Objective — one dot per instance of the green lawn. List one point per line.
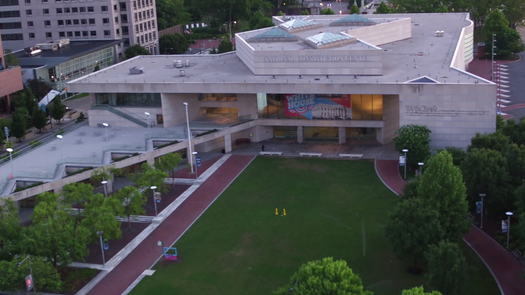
(334, 208)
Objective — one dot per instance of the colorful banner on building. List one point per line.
(315, 106)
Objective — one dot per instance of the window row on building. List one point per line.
(142, 3)
(146, 14)
(146, 38)
(145, 26)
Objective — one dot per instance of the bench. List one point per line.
(271, 153)
(310, 154)
(351, 156)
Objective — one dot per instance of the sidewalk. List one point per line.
(173, 227)
(506, 270)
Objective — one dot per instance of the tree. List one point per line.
(173, 44)
(168, 162)
(514, 11)
(324, 277)
(259, 20)
(458, 155)
(132, 201)
(519, 194)
(150, 176)
(77, 195)
(58, 109)
(10, 231)
(100, 215)
(419, 291)
(39, 88)
(446, 267)
(39, 119)
(443, 189)
(19, 124)
(171, 13)
(508, 41)
(413, 226)
(135, 50)
(410, 189)
(416, 139)
(515, 131)
(354, 9)
(53, 234)
(485, 172)
(494, 141)
(327, 11)
(383, 9)
(515, 156)
(225, 46)
(13, 273)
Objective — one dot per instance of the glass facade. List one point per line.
(320, 106)
(129, 99)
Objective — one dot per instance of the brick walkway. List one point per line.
(172, 228)
(506, 269)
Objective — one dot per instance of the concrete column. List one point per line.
(228, 143)
(379, 135)
(151, 161)
(342, 135)
(300, 134)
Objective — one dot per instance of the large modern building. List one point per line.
(10, 81)
(24, 23)
(330, 77)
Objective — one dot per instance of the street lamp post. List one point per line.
(189, 135)
(10, 151)
(194, 158)
(100, 233)
(420, 169)
(30, 272)
(153, 188)
(509, 214)
(405, 151)
(482, 209)
(160, 244)
(148, 115)
(104, 184)
(60, 138)
(106, 126)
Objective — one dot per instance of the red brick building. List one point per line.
(10, 81)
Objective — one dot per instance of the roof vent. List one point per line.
(182, 73)
(439, 33)
(187, 63)
(178, 64)
(136, 71)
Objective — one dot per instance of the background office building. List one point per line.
(323, 77)
(24, 23)
(10, 81)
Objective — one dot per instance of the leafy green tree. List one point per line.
(326, 11)
(225, 46)
(39, 88)
(135, 50)
(383, 9)
(39, 119)
(416, 139)
(132, 201)
(53, 234)
(446, 267)
(412, 227)
(514, 11)
(99, 175)
(150, 176)
(10, 231)
(458, 155)
(173, 44)
(515, 131)
(324, 277)
(419, 291)
(410, 189)
(171, 13)
(13, 273)
(485, 172)
(259, 20)
(494, 141)
(19, 125)
(77, 195)
(508, 41)
(354, 9)
(515, 156)
(57, 109)
(443, 189)
(100, 215)
(519, 194)
(168, 162)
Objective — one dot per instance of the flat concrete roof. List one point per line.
(423, 54)
(52, 58)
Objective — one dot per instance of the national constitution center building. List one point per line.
(329, 77)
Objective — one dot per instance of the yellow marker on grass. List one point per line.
(276, 212)
(284, 211)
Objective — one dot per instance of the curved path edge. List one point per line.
(506, 270)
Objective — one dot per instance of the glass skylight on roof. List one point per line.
(328, 39)
(274, 34)
(353, 20)
(298, 25)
